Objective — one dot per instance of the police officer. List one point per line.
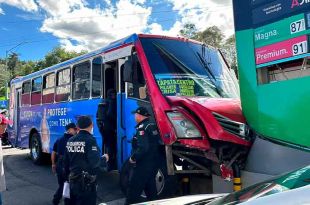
(108, 111)
(82, 164)
(144, 158)
(57, 157)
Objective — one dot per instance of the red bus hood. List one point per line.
(203, 108)
(230, 108)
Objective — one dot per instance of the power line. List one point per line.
(24, 39)
(30, 41)
(128, 14)
(86, 34)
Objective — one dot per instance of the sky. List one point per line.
(32, 28)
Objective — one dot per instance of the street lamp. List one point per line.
(6, 64)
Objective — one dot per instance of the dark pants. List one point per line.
(85, 197)
(58, 193)
(142, 179)
(110, 142)
(101, 130)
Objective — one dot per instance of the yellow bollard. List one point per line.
(237, 184)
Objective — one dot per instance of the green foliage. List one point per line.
(189, 31)
(4, 79)
(213, 36)
(230, 52)
(16, 67)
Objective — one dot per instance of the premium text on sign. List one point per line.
(281, 50)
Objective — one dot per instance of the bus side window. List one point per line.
(138, 87)
(96, 76)
(48, 88)
(63, 85)
(36, 91)
(25, 101)
(81, 81)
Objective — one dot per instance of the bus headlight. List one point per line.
(184, 127)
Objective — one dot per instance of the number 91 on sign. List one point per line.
(300, 48)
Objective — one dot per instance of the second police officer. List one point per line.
(82, 164)
(57, 158)
(145, 158)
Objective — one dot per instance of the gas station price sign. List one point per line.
(284, 49)
(281, 30)
(272, 41)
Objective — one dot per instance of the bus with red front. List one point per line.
(186, 86)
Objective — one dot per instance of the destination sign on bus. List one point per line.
(282, 30)
(183, 87)
(285, 49)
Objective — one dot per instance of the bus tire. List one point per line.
(36, 153)
(166, 185)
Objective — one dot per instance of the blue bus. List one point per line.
(187, 87)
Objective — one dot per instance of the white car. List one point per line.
(289, 189)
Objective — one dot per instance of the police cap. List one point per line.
(70, 125)
(142, 111)
(84, 122)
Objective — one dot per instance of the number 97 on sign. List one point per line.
(300, 48)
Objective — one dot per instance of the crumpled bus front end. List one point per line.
(196, 96)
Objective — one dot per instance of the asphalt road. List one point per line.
(29, 184)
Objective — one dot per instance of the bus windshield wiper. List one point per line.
(208, 69)
(205, 65)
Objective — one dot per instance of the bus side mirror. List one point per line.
(128, 72)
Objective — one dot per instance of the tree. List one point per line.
(189, 31)
(12, 63)
(212, 36)
(4, 79)
(58, 55)
(230, 53)
(16, 67)
(25, 68)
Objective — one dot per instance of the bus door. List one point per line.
(110, 83)
(16, 127)
(131, 96)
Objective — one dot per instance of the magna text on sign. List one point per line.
(282, 30)
(281, 50)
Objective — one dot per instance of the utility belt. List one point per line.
(82, 182)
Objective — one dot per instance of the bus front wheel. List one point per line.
(166, 185)
(36, 149)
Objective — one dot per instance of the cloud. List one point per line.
(68, 45)
(156, 28)
(26, 5)
(78, 25)
(1, 12)
(93, 27)
(203, 13)
(61, 7)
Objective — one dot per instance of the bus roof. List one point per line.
(127, 40)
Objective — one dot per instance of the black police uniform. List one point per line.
(60, 148)
(106, 122)
(83, 162)
(146, 153)
(109, 133)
